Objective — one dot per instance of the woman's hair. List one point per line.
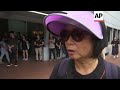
(24, 36)
(99, 44)
(11, 32)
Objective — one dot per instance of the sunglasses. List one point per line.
(76, 34)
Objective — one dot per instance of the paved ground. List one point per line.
(35, 69)
(27, 70)
(113, 60)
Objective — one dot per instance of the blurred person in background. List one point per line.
(115, 47)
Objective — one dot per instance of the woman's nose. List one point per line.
(70, 40)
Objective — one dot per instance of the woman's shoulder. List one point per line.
(112, 70)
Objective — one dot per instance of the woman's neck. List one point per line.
(86, 66)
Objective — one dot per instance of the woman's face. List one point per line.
(38, 37)
(115, 38)
(12, 35)
(79, 49)
(23, 37)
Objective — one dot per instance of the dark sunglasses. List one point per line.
(76, 34)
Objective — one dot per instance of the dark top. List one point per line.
(115, 43)
(98, 73)
(24, 45)
(38, 42)
(13, 41)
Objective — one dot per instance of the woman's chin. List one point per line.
(74, 57)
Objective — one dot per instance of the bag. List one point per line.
(111, 69)
(28, 46)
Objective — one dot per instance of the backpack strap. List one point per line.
(111, 70)
(63, 68)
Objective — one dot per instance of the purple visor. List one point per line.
(56, 22)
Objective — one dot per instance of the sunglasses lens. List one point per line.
(78, 35)
(64, 35)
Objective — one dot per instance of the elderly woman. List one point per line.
(84, 40)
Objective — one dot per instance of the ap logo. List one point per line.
(98, 16)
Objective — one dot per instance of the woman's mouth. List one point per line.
(71, 52)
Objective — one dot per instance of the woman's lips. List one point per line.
(70, 51)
